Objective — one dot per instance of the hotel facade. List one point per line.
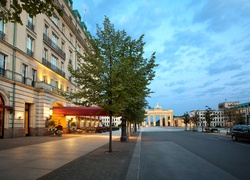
(33, 70)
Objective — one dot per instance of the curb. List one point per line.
(134, 167)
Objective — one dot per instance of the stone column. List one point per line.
(172, 120)
(160, 120)
(166, 121)
(154, 123)
(149, 122)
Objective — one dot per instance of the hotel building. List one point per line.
(33, 70)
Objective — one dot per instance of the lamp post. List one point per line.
(124, 133)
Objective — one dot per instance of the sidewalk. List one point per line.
(67, 157)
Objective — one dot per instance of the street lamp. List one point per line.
(124, 134)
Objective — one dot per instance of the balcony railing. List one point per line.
(53, 67)
(48, 41)
(29, 52)
(79, 37)
(31, 26)
(23, 80)
(2, 35)
(2, 72)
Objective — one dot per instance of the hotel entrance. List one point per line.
(27, 119)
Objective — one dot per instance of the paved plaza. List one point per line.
(77, 156)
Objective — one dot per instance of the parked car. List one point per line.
(211, 129)
(241, 132)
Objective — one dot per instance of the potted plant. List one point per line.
(73, 127)
(52, 128)
(59, 132)
(92, 130)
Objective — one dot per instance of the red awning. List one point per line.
(80, 111)
(6, 107)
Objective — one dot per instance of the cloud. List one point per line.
(220, 15)
(202, 46)
(223, 65)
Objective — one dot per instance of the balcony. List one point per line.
(49, 42)
(79, 37)
(29, 52)
(2, 35)
(2, 72)
(53, 67)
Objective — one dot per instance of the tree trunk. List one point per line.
(110, 131)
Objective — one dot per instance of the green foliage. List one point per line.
(32, 7)
(114, 77)
(51, 124)
(195, 119)
(209, 116)
(186, 118)
(73, 124)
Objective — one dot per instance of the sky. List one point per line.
(202, 47)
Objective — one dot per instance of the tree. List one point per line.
(186, 119)
(209, 116)
(239, 119)
(115, 75)
(229, 115)
(195, 118)
(32, 7)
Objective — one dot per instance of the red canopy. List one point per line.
(80, 111)
(6, 107)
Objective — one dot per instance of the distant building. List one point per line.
(224, 105)
(228, 113)
(217, 120)
(105, 121)
(165, 115)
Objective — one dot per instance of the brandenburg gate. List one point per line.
(158, 111)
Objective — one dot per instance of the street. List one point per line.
(172, 153)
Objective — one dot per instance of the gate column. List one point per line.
(149, 122)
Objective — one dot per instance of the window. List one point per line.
(70, 57)
(45, 79)
(33, 78)
(45, 54)
(63, 28)
(30, 23)
(24, 73)
(62, 65)
(70, 4)
(55, 19)
(62, 46)
(30, 46)
(2, 65)
(53, 62)
(61, 86)
(78, 48)
(70, 38)
(54, 40)
(46, 30)
(1, 29)
(54, 83)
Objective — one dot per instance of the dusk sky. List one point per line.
(202, 47)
